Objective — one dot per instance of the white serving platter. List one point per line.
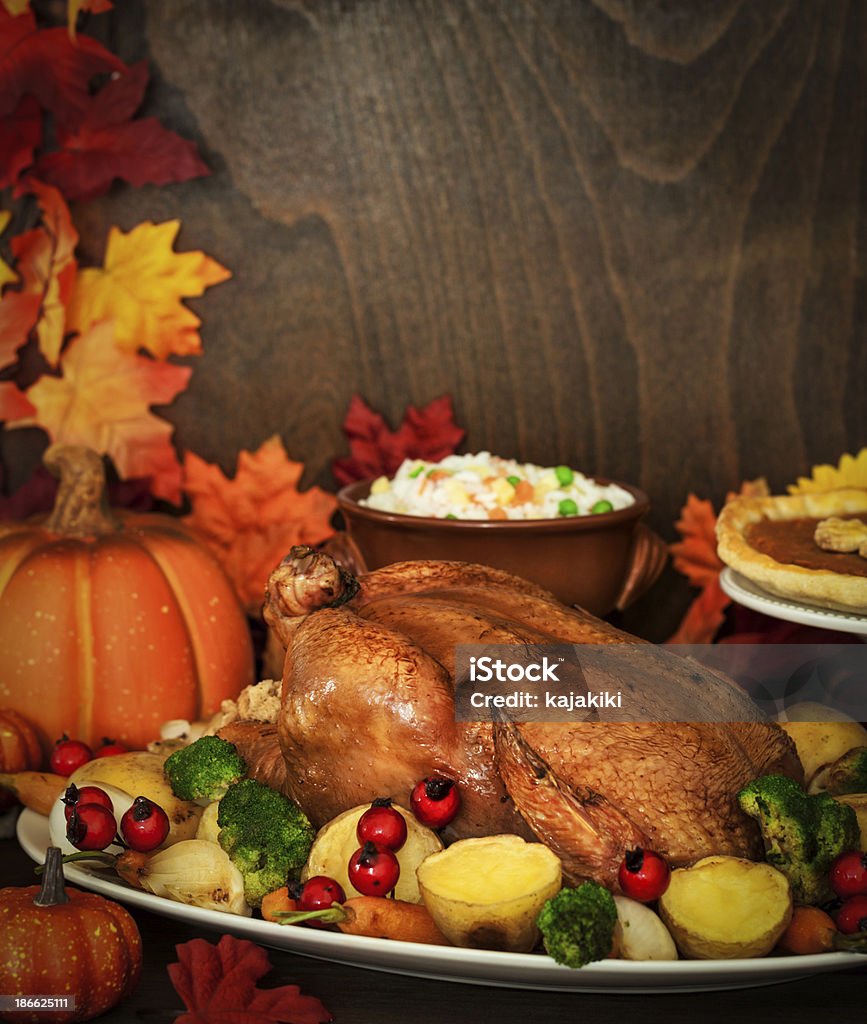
(446, 963)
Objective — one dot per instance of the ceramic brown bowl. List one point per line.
(600, 562)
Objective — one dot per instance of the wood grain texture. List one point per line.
(624, 234)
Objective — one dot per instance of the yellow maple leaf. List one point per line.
(16, 7)
(141, 286)
(252, 521)
(7, 274)
(101, 400)
(851, 471)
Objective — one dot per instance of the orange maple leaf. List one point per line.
(18, 313)
(101, 400)
(250, 522)
(13, 403)
(704, 616)
(695, 556)
(141, 286)
(46, 263)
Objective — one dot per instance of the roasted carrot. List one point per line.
(130, 865)
(374, 916)
(36, 790)
(390, 919)
(277, 902)
(811, 930)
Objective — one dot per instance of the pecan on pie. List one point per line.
(806, 547)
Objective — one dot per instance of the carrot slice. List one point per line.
(36, 790)
(390, 919)
(277, 902)
(811, 930)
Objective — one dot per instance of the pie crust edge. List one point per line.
(821, 587)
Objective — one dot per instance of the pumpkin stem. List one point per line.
(81, 506)
(52, 891)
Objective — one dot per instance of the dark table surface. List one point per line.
(357, 996)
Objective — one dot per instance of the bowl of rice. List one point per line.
(579, 537)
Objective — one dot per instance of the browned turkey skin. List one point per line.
(368, 710)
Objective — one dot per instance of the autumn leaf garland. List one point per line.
(104, 333)
(104, 387)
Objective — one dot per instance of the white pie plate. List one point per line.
(751, 595)
(446, 963)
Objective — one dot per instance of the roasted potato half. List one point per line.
(336, 842)
(140, 773)
(726, 908)
(487, 893)
(821, 735)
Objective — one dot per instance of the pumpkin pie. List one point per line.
(773, 542)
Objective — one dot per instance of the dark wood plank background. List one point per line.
(624, 234)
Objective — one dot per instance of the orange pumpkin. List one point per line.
(19, 749)
(65, 943)
(19, 745)
(112, 622)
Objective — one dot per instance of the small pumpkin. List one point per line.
(19, 749)
(58, 942)
(113, 622)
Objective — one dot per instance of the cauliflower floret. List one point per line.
(261, 702)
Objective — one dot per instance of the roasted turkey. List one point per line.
(368, 710)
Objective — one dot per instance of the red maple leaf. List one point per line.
(105, 144)
(45, 63)
(218, 986)
(429, 433)
(20, 134)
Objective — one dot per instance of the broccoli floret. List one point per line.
(848, 774)
(266, 836)
(802, 834)
(205, 769)
(577, 925)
